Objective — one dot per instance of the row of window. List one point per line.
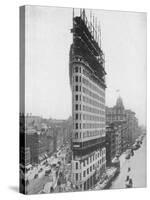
(77, 69)
(116, 112)
(91, 94)
(93, 79)
(87, 109)
(89, 125)
(77, 135)
(77, 116)
(78, 126)
(86, 134)
(93, 117)
(89, 161)
(93, 125)
(93, 87)
(77, 97)
(96, 155)
(93, 133)
(77, 88)
(109, 118)
(91, 110)
(89, 84)
(92, 102)
(86, 172)
(77, 79)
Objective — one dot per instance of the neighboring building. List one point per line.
(44, 137)
(32, 120)
(117, 115)
(51, 141)
(62, 131)
(124, 137)
(137, 131)
(131, 121)
(118, 139)
(37, 142)
(110, 143)
(126, 122)
(87, 79)
(32, 141)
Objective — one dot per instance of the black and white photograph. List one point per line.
(83, 99)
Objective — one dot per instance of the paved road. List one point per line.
(137, 163)
(43, 182)
(36, 185)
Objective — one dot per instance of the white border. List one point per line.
(9, 97)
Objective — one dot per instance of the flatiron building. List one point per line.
(87, 80)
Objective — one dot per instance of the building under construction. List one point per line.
(87, 80)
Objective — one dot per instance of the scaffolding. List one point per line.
(87, 43)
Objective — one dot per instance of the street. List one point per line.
(137, 163)
(43, 183)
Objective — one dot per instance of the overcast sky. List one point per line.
(48, 40)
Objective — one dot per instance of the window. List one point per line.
(76, 88)
(90, 168)
(87, 171)
(84, 163)
(76, 106)
(80, 78)
(76, 69)
(76, 165)
(84, 173)
(76, 79)
(76, 97)
(90, 158)
(76, 125)
(87, 161)
(76, 116)
(76, 177)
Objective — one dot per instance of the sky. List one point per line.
(48, 40)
